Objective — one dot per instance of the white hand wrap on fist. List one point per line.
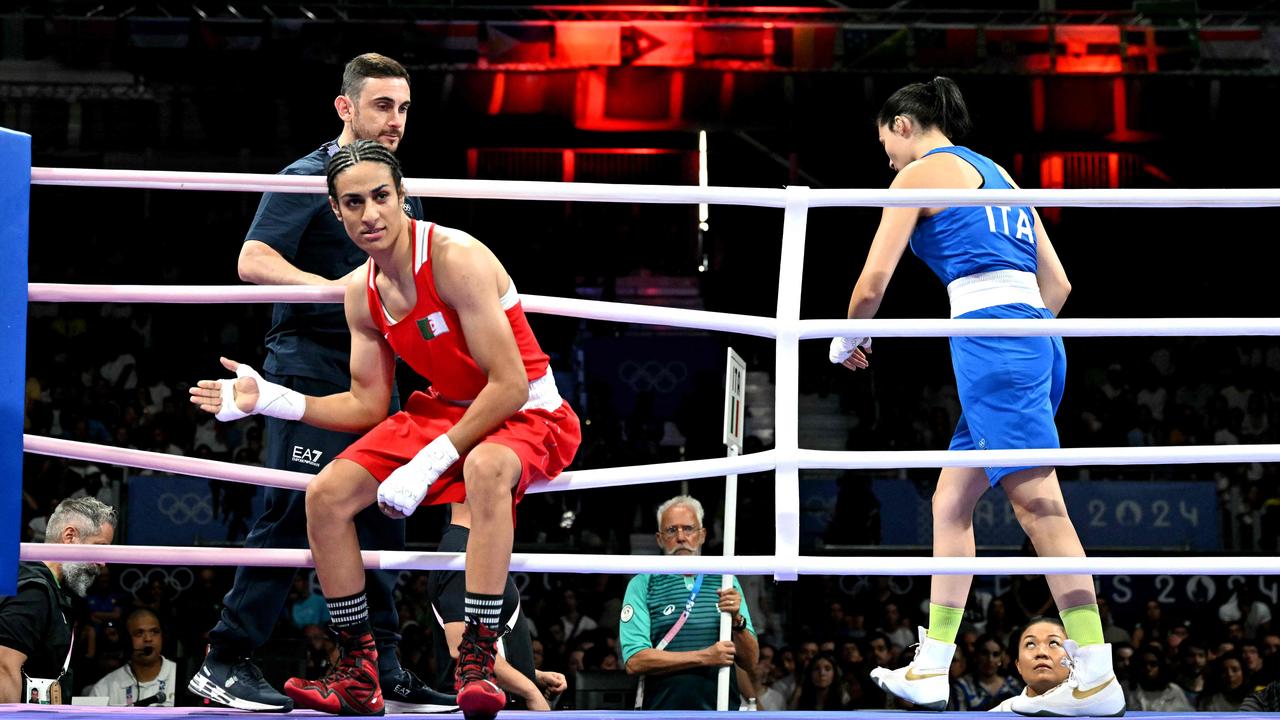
(407, 485)
(842, 347)
(274, 400)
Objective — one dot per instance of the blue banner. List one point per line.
(661, 369)
(180, 510)
(15, 203)
(1106, 513)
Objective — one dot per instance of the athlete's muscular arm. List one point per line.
(354, 411)
(894, 233)
(1051, 276)
(471, 281)
(372, 372)
(896, 225)
(261, 264)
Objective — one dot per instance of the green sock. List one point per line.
(1083, 624)
(944, 622)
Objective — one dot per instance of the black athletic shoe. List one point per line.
(237, 684)
(405, 693)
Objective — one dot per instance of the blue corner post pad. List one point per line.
(15, 204)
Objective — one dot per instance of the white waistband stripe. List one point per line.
(988, 289)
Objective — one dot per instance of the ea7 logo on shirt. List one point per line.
(307, 456)
(432, 326)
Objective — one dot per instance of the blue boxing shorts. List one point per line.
(1009, 387)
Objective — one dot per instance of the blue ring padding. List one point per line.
(15, 205)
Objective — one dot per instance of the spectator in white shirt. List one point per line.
(148, 678)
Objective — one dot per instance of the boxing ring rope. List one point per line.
(267, 477)
(665, 564)
(694, 319)
(563, 307)
(696, 469)
(669, 194)
(787, 458)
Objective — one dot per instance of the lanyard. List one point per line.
(684, 616)
(666, 639)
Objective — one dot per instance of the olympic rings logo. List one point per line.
(178, 579)
(186, 508)
(653, 375)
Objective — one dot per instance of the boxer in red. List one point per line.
(491, 423)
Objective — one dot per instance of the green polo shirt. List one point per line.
(650, 607)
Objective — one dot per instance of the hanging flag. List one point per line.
(944, 46)
(805, 46)
(1236, 48)
(232, 35)
(519, 42)
(1087, 48)
(875, 46)
(732, 42)
(448, 42)
(668, 44)
(588, 43)
(159, 33)
(1023, 47)
(1150, 49)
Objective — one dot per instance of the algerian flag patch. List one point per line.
(433, 326)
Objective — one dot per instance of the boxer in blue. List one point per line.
(997, 262)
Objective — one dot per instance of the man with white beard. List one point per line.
(35, 624)
(670, 624)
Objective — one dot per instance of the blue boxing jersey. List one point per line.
(963, 241)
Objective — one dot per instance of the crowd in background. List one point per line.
(1169, 657)
(117, 374)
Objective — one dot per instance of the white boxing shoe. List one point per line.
(925, 682)
(1091, 688)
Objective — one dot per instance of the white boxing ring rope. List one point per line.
(666, 564)
(692, 319)
(668, 194)
(786, 459)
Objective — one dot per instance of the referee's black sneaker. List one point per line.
(237, 683)
(403, 692)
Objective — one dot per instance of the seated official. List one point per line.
(35, 623)
(670, 624)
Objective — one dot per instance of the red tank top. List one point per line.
(430, 337)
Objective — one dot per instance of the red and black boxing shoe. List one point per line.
(478, 695)
(351, 688)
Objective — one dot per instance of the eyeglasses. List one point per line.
(675, 530)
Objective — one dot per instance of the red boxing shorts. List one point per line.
(544, 440)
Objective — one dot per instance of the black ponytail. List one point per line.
(934, 104)
(361, 151)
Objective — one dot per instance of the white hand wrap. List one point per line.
(274, 400)
(407, 485)
(842, 347)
